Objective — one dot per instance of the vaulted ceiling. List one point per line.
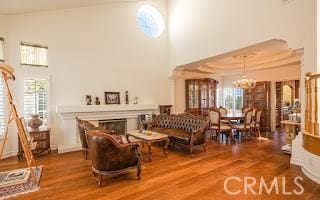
(26, 6)
(266, 55)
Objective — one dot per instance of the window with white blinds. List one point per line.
(34, 55)
(36, 98)
(1, 49)
(2, 107)
(233, 100)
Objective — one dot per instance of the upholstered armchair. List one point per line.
(82, 135)
(109, 156)
(217, 125)
(83, 127)
(245, 127)
(255, 125)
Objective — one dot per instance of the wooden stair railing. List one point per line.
(311, 135)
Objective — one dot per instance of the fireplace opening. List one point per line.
(119, 126)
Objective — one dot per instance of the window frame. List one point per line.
(3, 49)
(48, 94)
(5, 109)
(35, 46)
(234, 94)
(145, 12)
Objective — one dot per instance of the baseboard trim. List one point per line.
(69, 148)
(310, 174)
(294, 161)
(9, 154)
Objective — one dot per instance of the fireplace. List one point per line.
(119, 126)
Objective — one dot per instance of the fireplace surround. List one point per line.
(68, 135)
(118, 126)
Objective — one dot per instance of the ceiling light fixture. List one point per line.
(244, 82)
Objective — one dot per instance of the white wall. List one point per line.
(4, 32)
(204, 28)
(92, 50)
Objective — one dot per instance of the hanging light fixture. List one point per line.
(244, 82)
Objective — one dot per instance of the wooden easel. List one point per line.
(7, 74)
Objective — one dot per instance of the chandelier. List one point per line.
(244, 82)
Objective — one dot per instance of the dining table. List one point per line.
(232, 116)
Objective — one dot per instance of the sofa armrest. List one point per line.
(198, 135)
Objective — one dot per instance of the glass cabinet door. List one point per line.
(200, 95)
(193, 90)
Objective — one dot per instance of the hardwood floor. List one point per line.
(68, 176)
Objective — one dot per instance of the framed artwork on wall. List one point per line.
(112, 97)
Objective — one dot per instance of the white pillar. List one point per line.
(273, 106)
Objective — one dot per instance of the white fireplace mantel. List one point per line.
(68, 113)
(91, 112)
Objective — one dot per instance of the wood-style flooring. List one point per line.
(68, 176)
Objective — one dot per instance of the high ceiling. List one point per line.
(27, 6)
(270, 54)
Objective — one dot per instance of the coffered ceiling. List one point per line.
(27, 6)
(270, 54)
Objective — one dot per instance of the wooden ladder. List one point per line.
(6, 72)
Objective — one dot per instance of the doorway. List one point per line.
(287, 101)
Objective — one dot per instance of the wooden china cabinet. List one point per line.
(259, 97)
(200, 95)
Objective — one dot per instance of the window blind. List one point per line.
(35, 98)
(33, 55)
(1, 49)
(2, 107)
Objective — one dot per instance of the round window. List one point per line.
(150, 21)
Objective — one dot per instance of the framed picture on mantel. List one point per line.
(112, 97)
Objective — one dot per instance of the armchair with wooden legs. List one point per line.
(245, 127)
(223, 111)
(110, 157)
(255, 125)
(217, 126)
(82, 135)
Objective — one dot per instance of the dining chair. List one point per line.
(245, 127)
(255, 125)
(217, 126)
(245, 109)
(223, 111)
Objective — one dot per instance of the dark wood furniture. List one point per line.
(218, 126)
(184, 129)
(200, 95)
(42, 137)
(259, 97)
(165, 109)
(81, 131)
(109, 156)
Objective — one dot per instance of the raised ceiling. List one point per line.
(8, 7)
(270, 54)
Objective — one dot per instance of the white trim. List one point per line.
(9, 154)
(54, 147)
(294, 161)
(310, 174)
(69, 148)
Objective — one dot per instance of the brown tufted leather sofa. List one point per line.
(185, 129)
(109, 156)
